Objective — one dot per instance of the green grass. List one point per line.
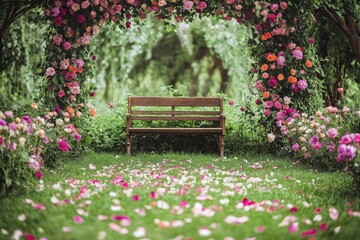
(272, 183)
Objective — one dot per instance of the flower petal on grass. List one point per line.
(337, 229)
(260, 229)
(118, 228)
(102, 217)
(307, 233)
(236, 220)
(323, 227)
(78, 219)
(22, 217)
(204, 232)
(66, 229)
(139, 232)
(92, 167)
(333, 213)
(294, 227)
(101, 235)
(115, 208)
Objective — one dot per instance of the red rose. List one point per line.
(81, 19)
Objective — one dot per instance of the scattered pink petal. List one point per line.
(307, 221)
(260, 229)
(135, 198)
(204, 232)
(66, 229)
(294, 209)
(307, 233)
(317, 210)
(39, 206)
(29, 236)
(337, 229)
(352, 213)
(92, 167)
(125, 221)
(333, 213)
(177, 223)
(117, 228)
(140, 211)
(236, 220)
(294, 227)
(184, 203)
(139, 232)
(323, 227)
(247, 202)
(78, 219)
(102, 217)
(152, 195)
(115, 208)
(317, 218)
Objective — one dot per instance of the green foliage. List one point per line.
(21, 62)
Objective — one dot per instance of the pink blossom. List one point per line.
(95, 30)
(267, 112)
(61, 93)
(63, 146)
(296, 147)
(58, 21)
(111, 105)
(136, 198)
(1, 140)
(346, 152)
(294, 227)
(272, 17)
(38, 175)
(269, 104)
(346, 139)
(188, 5)
(274, 7)
(85, 4)
(50, 72)
(75, 90)
(283, 5)
(231, 103)
(356, 138)
(77, 136)
(66, 46)
(57, 39)
(55, 11)
(65, 63)
(202, 5)
(81, 18)
(47, 12)
(277, 105)
(311, 232)
(302, 84)
(85, 40)
(332, 133)
(75, 7)
(79, 62)
(281, 61)
(78, 219)
(297, 54)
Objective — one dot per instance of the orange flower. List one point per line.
(70, 110)
(280, 77)
(308, 64)
(266, 95)
(79, 70)
(268, 35)
(292, 79)
(263, 38)
(72, 69)
(292, 72)
(92, 112)
(271, 58)
(264, 67)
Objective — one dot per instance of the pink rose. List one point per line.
(66, 46)
(297, 54)
(38, 175)
(57, 39)
(85, 4)
(64, 64)
(296, 147)
(75, 7)
(50, 72)
(269, 104)
(79, 63)
(267, 112)
(272, 17)
(283, 5)
(63, 146)
(277, 105)
(95, 30)
(81, 18)
(302, 84)
(281, 61)
(61, 93)
(274, 7)
(75, 90)
(161, 3)
(188, 5)
(202, 5)
(47, 12)
(58, 21)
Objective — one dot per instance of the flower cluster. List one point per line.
(348, 145)
(24, 139)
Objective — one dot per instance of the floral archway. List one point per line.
(284, 70)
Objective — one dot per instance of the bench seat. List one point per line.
(196, 109)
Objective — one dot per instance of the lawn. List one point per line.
(175, 196)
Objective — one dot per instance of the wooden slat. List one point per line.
(147, 112)
(176, 130)
(175, 101)
(176, 118)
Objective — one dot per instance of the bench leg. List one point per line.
(221, 146)
(128, 144)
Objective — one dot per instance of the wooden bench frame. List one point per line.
(175, 115)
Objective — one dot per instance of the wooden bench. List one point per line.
(141, 109)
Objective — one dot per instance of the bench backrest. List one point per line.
(138, 108)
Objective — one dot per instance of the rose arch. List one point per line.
(284, 70)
